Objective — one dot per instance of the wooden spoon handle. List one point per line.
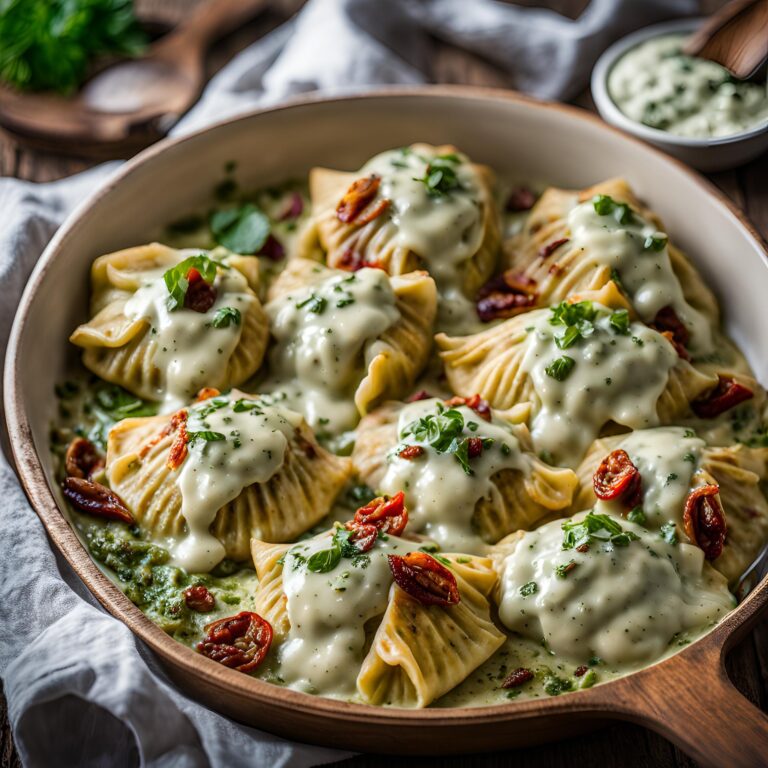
(698, 709)
(211, 20)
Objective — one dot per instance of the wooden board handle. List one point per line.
(695, 706)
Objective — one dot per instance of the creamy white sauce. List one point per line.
(440, 494)
(324, 337)
(623, 605)
(444, 230)
(189, 351)
(215, 471)
(646, 274)
(328, 613)
(615, 377)
(656, 85)
(666, 458)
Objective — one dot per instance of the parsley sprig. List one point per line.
(596, 528)
(605, 205)
(444, 433)
(226, 316)
(440, 176)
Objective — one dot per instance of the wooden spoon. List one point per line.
(735, 37)
(133, 102)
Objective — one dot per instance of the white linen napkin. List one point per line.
(81, 688)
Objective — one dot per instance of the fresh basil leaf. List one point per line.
(325, 560)
(206, 435)
(176, 278)
(560, 369)
(241, 230)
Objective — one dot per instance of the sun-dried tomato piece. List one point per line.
(82, 458)
(547, 250)
(199, 599)
(726, 395)
(373, 212)
(206, 393)
(424, 579)
(357, 197)
(294, 209)
(581, 671)
(272, 249)
(422, 394)
(178, 451)
(618, 478)
(95, 499)
(517, 678)
(240, 642)
(388, 515)
(521, 199)
(200, 296)
(411, 452)
(704, 520)
(363, 536)
(669, 325)
(476, 403)
(506, 295)
(474, 447)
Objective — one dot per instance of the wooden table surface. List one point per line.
(621, 744)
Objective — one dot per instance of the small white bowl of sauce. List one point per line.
(691, 108)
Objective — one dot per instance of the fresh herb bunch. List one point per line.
(444, 433)
(578, 319)
(49, 44)
(595, 528)
(440, 177)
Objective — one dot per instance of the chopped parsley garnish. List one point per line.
(562, 571)
(120, 404)
(176, 278)
(326, 560)
(605, 205)
(668, 532)
(226, 316)
(313, 303)
(689, 433)
(210, 406)
(240, 230)
(578, 321)
(529, 589)
(245, 405)
(636, 515)
(444, 433)
(595, 528)
(560, 368)
(689, 457)
(206, 435)
(655, 242)
(554, 685)
(617, 279)
(440, 176)
(620, 321)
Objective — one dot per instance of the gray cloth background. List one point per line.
(80, 687)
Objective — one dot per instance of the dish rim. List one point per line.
(611, 111)
(30, 469)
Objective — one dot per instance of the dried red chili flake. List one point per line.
(517, 678)
(726, 395)
(206, 393)
(476, 403)
(547, 250)
(388, 515)
(618, 478)
(583, 548)
(422, 394)
(240, 642)
(199, 599)
(272, 249)
(178, 450)
(521, 199)
(363, 535)
(704, 520)
(357, 197)
(505, 295)
(96, 499)
(581, 671)
(411, 452)
(669, 325)
(200, 296)
(294, 208)
(474, 447)
(82, 459)
(424, 579)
